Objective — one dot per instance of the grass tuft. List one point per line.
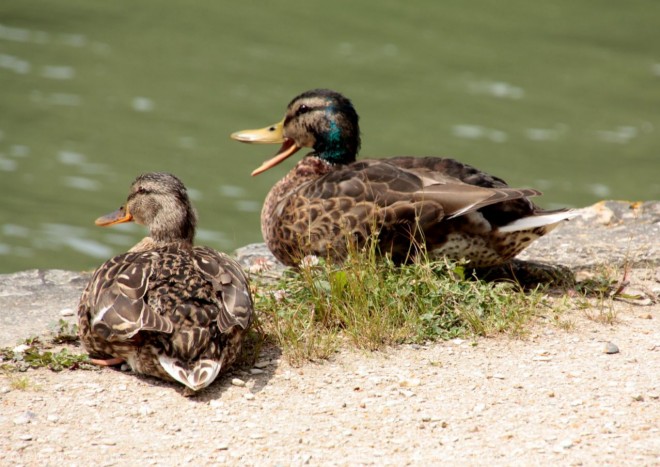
(371, 303)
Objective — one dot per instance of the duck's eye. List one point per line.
(142, 190)
(302, 109)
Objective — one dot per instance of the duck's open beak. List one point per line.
(270, 134)
(120, 216)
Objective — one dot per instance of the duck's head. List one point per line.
(160, 202)
(320, 119)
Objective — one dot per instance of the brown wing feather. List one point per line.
(231, 286)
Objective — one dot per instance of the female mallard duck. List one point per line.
(167, 308)
(329, 199)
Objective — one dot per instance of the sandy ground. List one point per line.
(554, 397)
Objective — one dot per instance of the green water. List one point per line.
(563, 96)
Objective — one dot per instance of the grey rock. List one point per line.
(31, 301)
(611, 348)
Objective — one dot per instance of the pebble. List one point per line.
(565, 444)
(409, 382)
(67, 312)
(145, 409)
(25, 437)
(53, 418)
(256, 371)
(262, 364)
(610, 348)
(541, 358)
(25, 418)
(238, 382)
(249, 396)
(5, 390)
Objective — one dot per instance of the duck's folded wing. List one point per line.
(231, 287)
(388, 185)
(119, 308)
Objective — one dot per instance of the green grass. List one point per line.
(369, 303)
(36, 353)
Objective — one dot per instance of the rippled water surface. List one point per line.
(559, 95)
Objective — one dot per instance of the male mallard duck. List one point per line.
(167, 308)
(330, 199)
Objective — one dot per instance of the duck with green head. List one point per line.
(330, 200)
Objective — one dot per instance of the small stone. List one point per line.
(125, 367)
(20, 348)
(256, 371)
(638, 398)
(121, 387)
(262, 364)
(498, 376)
(541, 358)
(653, 395)
(409, 382)
(25, 418)
(25, 437)
(5, 390)
(145, 410)
(610, 348)
(238, 382)
(222, 447)
(53, 418)
(566, 443)
(249, 396)
(67, 312)
(479, 408)
(216, 403)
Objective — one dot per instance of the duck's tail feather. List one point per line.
(548, 219)
(200, 375)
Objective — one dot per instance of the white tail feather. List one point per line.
(532, 222)
(203, 373)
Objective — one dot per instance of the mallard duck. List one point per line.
(330, 200)
(167, 308)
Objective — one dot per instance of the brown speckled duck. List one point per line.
(330, 200)
(167, 308)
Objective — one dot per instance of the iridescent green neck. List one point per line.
(337, 145)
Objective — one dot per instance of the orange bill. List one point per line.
(120, 216)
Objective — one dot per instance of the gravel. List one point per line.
(552, 398)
